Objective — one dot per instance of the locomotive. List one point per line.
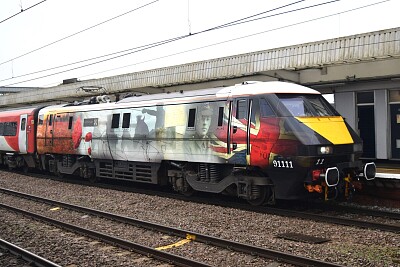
(259, 141)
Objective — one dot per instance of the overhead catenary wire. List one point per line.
(81, 31)
(232, 23)
(145, 47)
(23, 10)
(138, 48)
(243, 37)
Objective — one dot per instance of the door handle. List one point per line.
(234, 146)
(234, 129)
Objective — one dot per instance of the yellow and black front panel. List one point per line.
(333, 129)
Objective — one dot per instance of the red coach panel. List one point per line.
(17, 130)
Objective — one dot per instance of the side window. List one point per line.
(115, 121)
(1, 129)
(126, 120)
(220, 116)
(191, 118)
(41, 117)
(254, 107)
(23, 124)
(265, 109)
(70, 123)
(10, 129)
(241, 109)
(50, 119)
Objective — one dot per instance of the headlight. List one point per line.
(324, 150)
(358, 147)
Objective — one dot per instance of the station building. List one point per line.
(361, 72)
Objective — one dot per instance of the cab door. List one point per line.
(22, 138)
(240, 131)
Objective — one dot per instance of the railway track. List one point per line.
(125, 244)
(321, 217)
(340, 217)
(356, 210)
(287, 211)
(29, 257)
(168, 257)
(229, 201)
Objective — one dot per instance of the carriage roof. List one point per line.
(213, 94)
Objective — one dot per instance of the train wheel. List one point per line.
(261, 195)
(59, 174)
(25, 168)
(188, 192)
(186, 189)
(93, 179)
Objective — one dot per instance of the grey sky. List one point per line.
(161, 20)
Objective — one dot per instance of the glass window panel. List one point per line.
(365, 97)
(192, 118)
(115, 121)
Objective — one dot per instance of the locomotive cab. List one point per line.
(326, 158)
(274, 140)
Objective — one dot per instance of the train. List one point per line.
(259, 141)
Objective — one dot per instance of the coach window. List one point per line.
(70, 123)
(192, 118)
(23, 122)
(241, 109)
(10, 129)
(41, 117)
(115, 121)
(220, 116)
(50, 118)
(126, 120)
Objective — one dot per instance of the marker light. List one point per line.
(324, 150)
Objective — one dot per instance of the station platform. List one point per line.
(388, 171)
(387, 175)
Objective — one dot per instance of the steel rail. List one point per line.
(144, 250)
(358, 210)
(338, 220)
(232, 204)
(315, 217)
(235, 203)
(223, 243)
(33, 259)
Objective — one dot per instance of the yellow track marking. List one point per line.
(188, 239)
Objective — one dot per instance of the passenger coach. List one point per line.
(18, 137)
